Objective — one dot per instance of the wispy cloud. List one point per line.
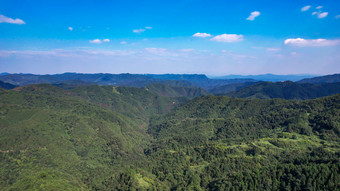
(201, 35)
(187, 50)
(273, 49)
(96, 41)
(228, 38)
(157, 51)
(138, 30)
(318, 7)
(141, 30)
(306, 8)
(300, 42)
(70, 28)
(320, 14)
(123, 42)
(253, 15)
(4, 19)
(66, 53)
(337, 17)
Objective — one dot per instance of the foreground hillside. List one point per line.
(56, 139)
(117, 138)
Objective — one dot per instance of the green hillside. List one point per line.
(334, 78)
(286, 90)
(176, 91)
(123, 138)
(6, 85)
(221, 143)
(222, 90)
(72, 139)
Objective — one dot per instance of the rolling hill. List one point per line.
(173, 91)
(321, 79)
(7, 85)
(286, 90)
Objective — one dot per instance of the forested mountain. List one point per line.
(100, 79)
(321, 79)
(133, 80)
(267, 77)
(6, 85)
(125, 138)
(169, 91)
(286, 90)
(221, 90)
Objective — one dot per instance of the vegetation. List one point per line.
(222, 90)
(131, 80)
(321, 79)
(6, 85)
(286, 90)
(176, 91)
(124, 138)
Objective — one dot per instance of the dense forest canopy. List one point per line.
(126, 138)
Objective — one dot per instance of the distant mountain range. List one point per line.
(266, 77)
(133, 80)
(190, 85)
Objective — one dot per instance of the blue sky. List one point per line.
(176, 36)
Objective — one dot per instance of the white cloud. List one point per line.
(320, 14)
(4, 19)
(202, 35)
(228, 38)
(67, 53)
(318, 7)
(306, 8)
(70, 28)
(156, 50)
(138, 30)
(141, 29)
(187, 50)
(273, 49)
(311, 42)
(253, 15)
(96, 41)
(337, 17)
(123, 42)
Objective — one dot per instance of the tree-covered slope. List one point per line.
(6, 85)
(176, 91)
(222, 90)
(221, 143)
(59, 143)
(58, 139)
(286, 90)
(123, 138)
(321, 79)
